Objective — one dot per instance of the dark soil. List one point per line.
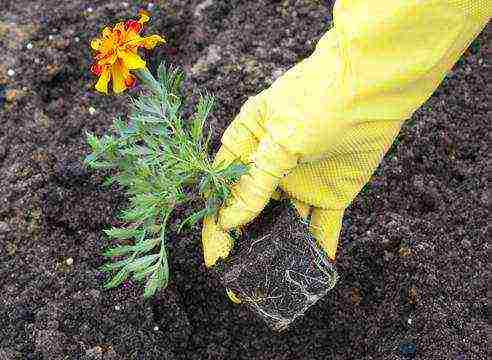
(413, 256)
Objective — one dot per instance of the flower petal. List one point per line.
(144, 16)
(96, 69)
(132, 40)
(150, 42)
(130, 81)
(134, 26)
(106, 59)
(131, 59)
(107, 32)
(96, 44)
(119, 26)
(102, 83)
(119, 32)
(119, 72)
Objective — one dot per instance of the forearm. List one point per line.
(396, 53)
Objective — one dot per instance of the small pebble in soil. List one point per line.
(150, 6)
(124, 4)
(94, 353)
(76, 39)
(355, 296)
(11, 72)
(69, 261)
(50, 37)
(89, 9)
(92, 110)
(408, 350)
(117, 307)
(156, 328)
(29, 46)
(412, 296)
(11, 248)
(404, 251)
(2, 95)
(11, 95)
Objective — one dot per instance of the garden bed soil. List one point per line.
(413, 255)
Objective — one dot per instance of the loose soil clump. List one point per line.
(281, 271)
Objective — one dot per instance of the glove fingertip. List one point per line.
(325, 227)
(215, 241)
(302, 208)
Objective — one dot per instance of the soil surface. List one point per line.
(413, 258)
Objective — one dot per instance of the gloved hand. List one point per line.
(322, 128)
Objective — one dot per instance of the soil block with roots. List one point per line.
(278, 269)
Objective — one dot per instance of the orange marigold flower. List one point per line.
(117, 53)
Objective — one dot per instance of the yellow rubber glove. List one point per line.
(322, 128)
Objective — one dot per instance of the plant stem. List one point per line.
(163, 250)
(146, 78)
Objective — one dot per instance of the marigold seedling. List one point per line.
(161, 159)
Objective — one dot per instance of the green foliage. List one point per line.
(162, 161)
